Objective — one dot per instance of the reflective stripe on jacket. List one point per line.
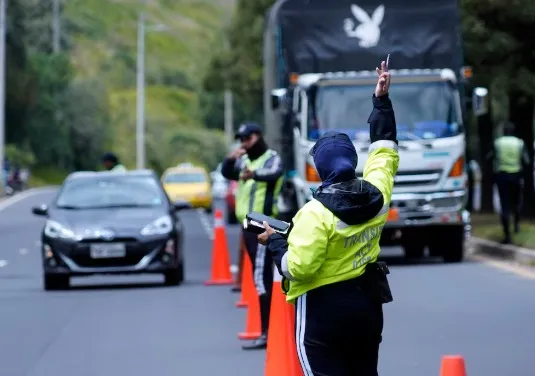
(322, 249)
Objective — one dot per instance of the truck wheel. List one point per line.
(448, 242)
(414, 250)
(414, 244)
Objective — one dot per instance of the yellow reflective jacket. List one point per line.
(260, 193)
(509, 151)
(323, 249)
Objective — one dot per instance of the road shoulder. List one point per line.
(504, 252)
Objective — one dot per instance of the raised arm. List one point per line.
(383, 159)
(232, 165)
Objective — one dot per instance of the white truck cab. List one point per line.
(430, 188)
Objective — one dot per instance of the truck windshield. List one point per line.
(423, 110)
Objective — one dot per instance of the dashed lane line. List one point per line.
(209, 229)
(205, 222)
(3, 263)
(23, 251)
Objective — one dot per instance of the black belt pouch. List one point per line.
(374, 282)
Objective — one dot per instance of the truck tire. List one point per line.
(414, 250)
(448, 242)
(414, 243)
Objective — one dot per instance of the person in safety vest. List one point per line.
(259, 172)
(510, 159)
(111, 163)
(329, 260)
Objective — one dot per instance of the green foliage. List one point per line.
(71, 107)
(46, 175)
(239, 68)
(19, 156)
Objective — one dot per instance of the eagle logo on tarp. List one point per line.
(368, 31)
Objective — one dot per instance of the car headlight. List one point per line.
(162, 225)
(56, 230)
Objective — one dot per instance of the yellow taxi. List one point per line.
(189, 183)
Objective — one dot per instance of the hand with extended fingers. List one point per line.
(383, 83)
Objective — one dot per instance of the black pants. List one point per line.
(338, 331)
(510, 192)
(263, 275)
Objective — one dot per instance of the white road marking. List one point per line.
(205, 222)
(522, 271)
(3, 263)
(234, 269)
(24, 195)
(23, 251)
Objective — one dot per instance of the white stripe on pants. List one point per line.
(259, 269)
(300, 327)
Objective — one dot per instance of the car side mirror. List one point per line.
(181, 205)
(40, 210)
(277, 98)
(480, 101)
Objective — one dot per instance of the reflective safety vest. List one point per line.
(257, 196)
(323, 250)
(509, 151)
(118, 168)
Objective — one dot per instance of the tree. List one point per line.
(499, 43)
(239, 68)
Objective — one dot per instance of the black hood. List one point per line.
(353, 202)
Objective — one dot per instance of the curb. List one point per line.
(502, 251)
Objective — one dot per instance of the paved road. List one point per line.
(134, 326)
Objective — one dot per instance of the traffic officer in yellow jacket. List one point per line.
(111, 163)
(330, 257)
(510, 159)
(259, 172)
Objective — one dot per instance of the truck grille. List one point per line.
(421, 177)
(408, 178)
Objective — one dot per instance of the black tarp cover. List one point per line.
(344, 35)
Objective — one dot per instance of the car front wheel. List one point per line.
(175, 277)
(56, 282)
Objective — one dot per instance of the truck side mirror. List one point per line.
(480, 101)
(277, 98)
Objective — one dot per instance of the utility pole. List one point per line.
(229, 118)
(3, 5)
(56, 27)
(140, 119)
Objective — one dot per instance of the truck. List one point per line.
(319, 75)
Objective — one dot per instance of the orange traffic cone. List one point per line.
(220, 274)
(247, 282)
(452, 365)
(281, 357)
(253, 326)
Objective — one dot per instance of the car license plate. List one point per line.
(107, 250)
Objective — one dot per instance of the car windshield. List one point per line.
(184, 177)
(424, 110)
(106, 192)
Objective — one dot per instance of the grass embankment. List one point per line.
(104, 46)
(488, 226)
(44, 176)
